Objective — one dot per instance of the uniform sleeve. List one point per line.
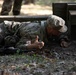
(23, 42)
(64, 36)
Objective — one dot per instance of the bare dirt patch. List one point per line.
(36, 10)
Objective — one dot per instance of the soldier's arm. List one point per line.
(37, 45)
(64, 40)
(28, 44)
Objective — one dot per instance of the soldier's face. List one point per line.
(52, 31)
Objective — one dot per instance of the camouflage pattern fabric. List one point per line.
(29, 32)
(7, 5)
(8, 29)
(3, 32)
(10, 41)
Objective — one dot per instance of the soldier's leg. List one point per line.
(17, 7)
(6, 7)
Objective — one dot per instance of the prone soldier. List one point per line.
(35, 35)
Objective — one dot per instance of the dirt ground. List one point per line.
(52, 60)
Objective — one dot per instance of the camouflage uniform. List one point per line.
(7, 31)
(7, 5)
(29, 31)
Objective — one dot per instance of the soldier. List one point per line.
(36, 35)
(7, 5)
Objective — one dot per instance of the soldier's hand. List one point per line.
(64, 44)
(35, 45)
(39, 45)
(36, 39)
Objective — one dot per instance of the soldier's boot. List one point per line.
(6, 7)
(16, 12)
(4, 13)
